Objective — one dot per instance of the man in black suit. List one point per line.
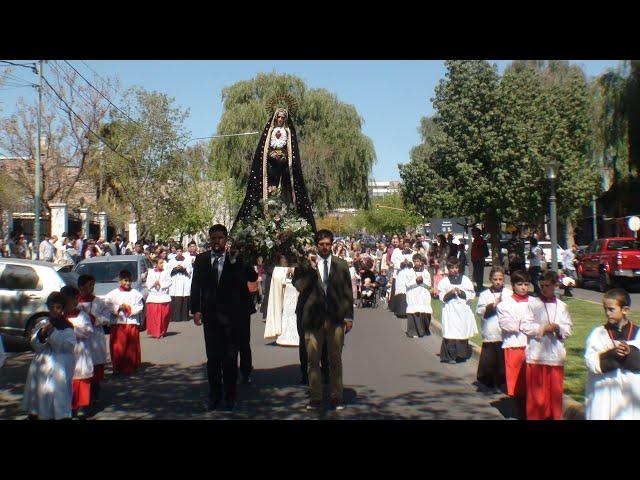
(325, 305)
(220, 299)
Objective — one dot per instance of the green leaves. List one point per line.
(485, 151)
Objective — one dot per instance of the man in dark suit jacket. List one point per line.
(325, 305)
(220, 299)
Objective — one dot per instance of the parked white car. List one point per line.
(24, 288)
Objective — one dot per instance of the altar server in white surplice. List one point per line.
(458, 321)
(612, 355)
(48, 389)
(83, 372)
(181, 270)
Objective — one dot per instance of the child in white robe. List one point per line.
(158, 301)
(612, 355)
(545, 354)
(512, 312)
(48, 389)
(458, 321)
(100, 316)
(181, 269)
(126, 304)
(491, 364)
(418, 288)
(83, 373)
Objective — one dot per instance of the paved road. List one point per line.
(386, 376)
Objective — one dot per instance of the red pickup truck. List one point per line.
(610, 261)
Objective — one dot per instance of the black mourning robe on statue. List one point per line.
(255, 182)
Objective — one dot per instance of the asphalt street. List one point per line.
(386, 376)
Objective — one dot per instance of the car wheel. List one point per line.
(579, 280)
(35, 324)
(604, 282)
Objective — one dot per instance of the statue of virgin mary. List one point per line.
(276, 164)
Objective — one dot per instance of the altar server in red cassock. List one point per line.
(126, 304)
(546, 331)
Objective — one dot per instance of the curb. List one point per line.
(571, 409)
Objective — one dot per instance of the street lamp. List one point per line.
(552, 174)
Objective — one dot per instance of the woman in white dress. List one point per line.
(289, 336)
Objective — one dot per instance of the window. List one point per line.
(624, 245)
(107, 272)
(19, 277)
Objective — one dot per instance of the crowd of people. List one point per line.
(523, 333)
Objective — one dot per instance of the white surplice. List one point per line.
(273, 325)
(613, 395)
(83, 329)
(289, 336)
(458, 321)
(181, 284)
(117, 297)
(48, 389)
(98, 342)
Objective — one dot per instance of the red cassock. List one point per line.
(158, 317)
(124, 344)
(544, 391)
(81, 393)
(515, 370)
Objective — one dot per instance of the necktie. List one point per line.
(325, 279)
(215, 269)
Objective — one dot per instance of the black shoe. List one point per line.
(229, 405)
(213, 405)
(303, 381)
(337, 405)
(246, 380)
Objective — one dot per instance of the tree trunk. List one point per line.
(493, 227)
(570, 236)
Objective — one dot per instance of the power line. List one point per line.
(61, 72)
(82, 121)
(103, 95)
(25, 65)
(98, 75)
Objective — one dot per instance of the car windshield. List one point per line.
(107, 272)
(624, 245)
(69, 278)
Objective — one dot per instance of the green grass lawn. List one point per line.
(585, 317)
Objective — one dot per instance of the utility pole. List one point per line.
(38, 187)
(594, 218)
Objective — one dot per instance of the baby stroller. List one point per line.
(368, 297)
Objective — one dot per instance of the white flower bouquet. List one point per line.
(280, 232)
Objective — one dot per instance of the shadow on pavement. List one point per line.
(173, 392)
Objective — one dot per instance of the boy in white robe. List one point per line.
(100, 316)
(546, 330)
(491, 371)
(418, 288)
(83, 373)
(458, 321)
(126, 304)
(180, 268)
(512, 312)
(612, 355)
(48, 389)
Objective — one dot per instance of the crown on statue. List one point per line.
(283, 100)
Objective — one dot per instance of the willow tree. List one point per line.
(336, 156)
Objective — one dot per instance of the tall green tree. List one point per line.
(463, 175)
(334, 151)
(387, 215)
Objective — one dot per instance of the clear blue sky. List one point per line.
(391, 96)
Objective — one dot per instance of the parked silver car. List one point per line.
(107, 268)
(24, 288)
